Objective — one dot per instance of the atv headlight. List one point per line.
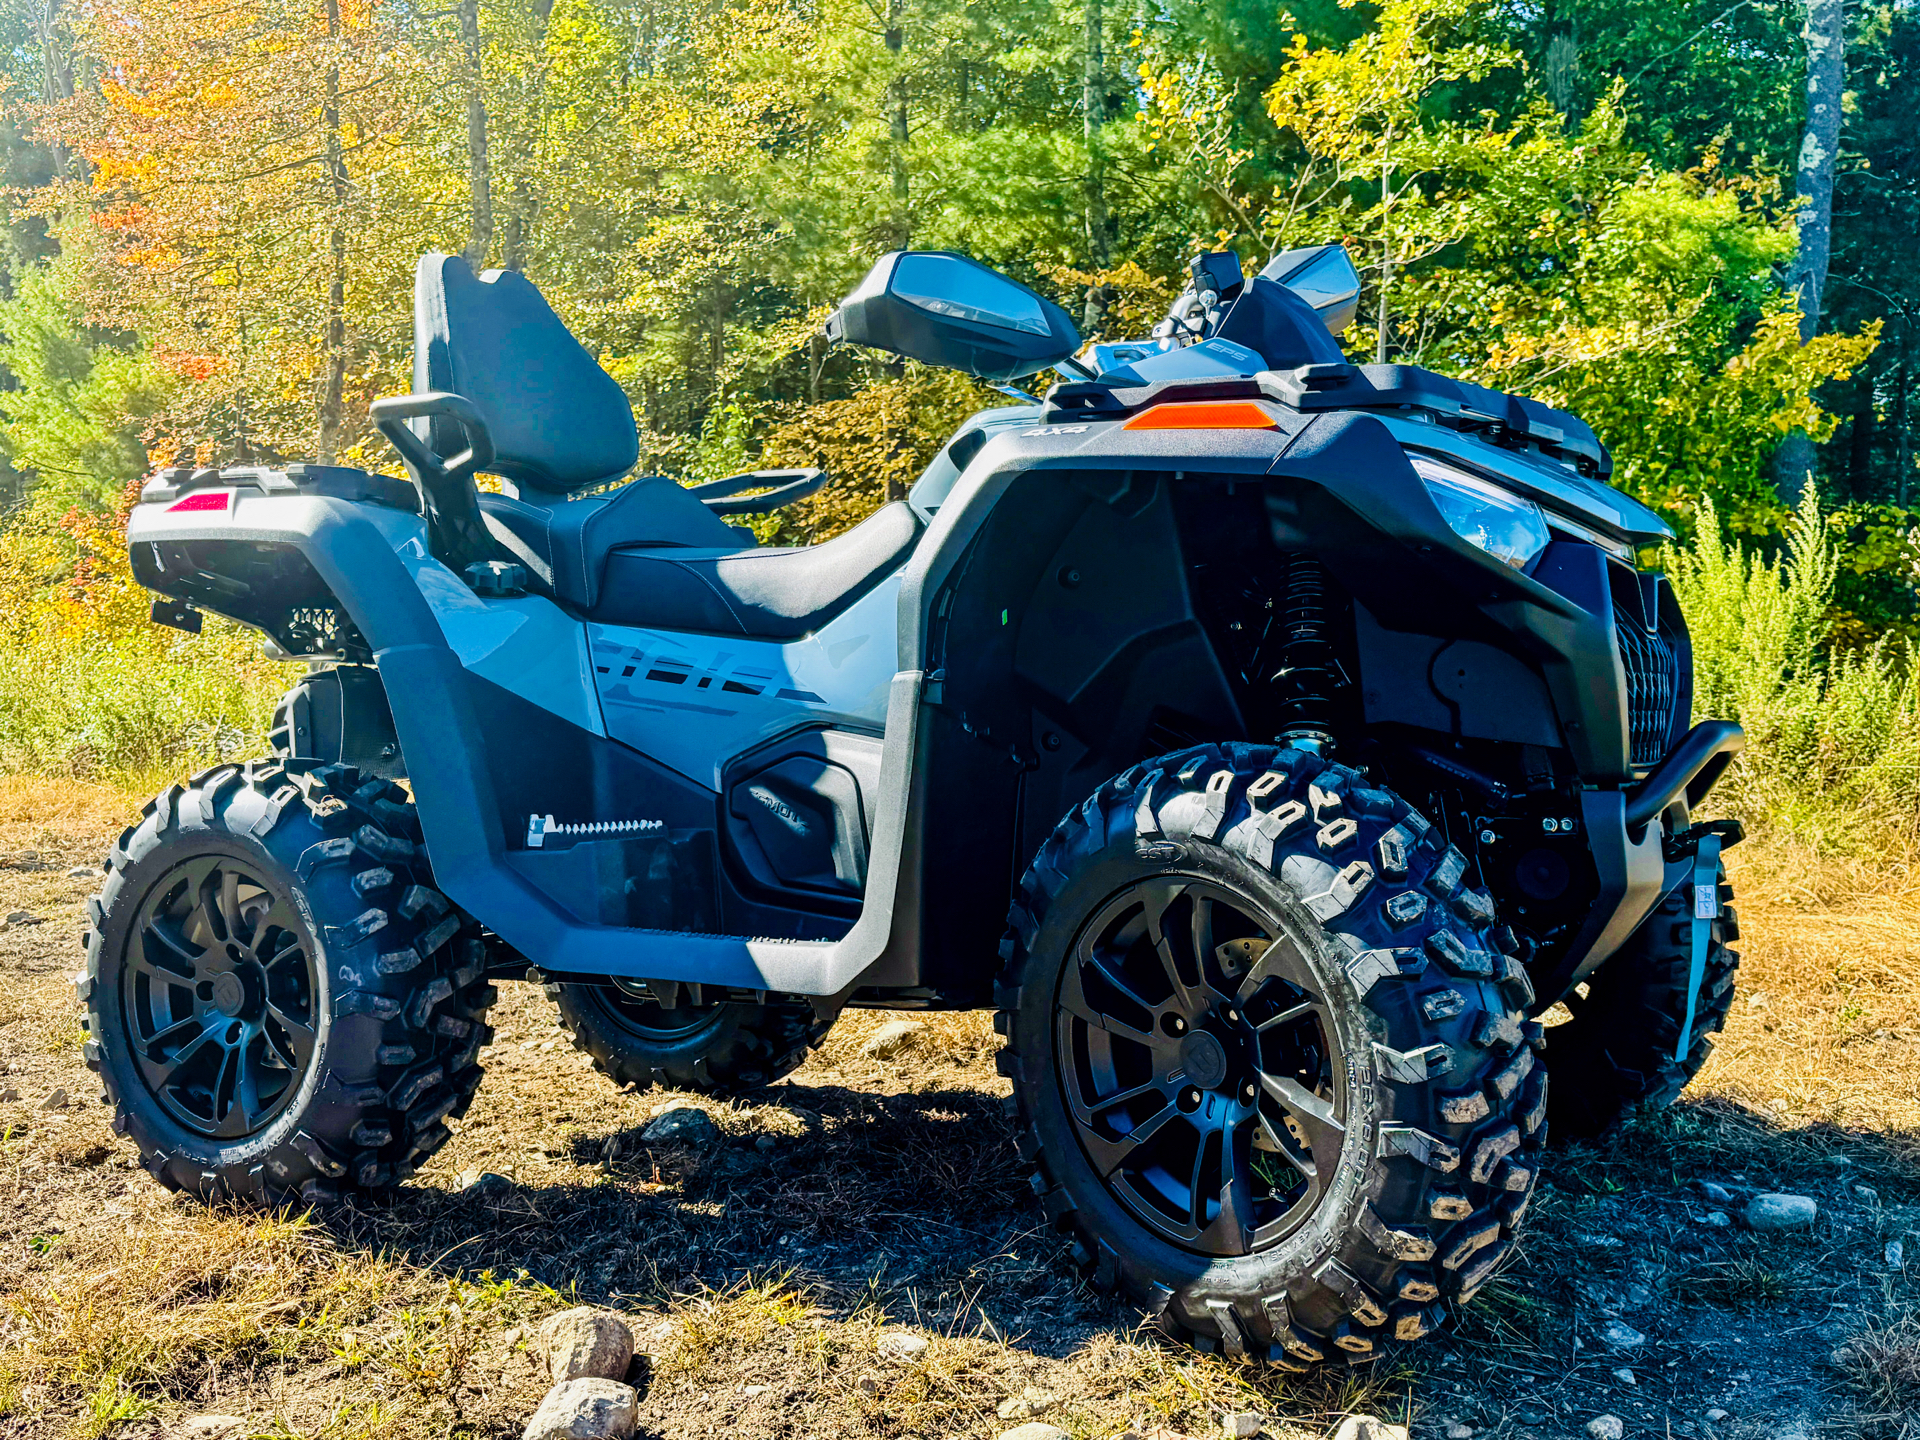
(1501, 523)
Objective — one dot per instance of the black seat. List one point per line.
(772, 594)
(647, 553)
(564, 543)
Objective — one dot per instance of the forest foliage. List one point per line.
(217, 257)
(214, 210)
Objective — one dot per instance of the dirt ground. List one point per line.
(860, 1195)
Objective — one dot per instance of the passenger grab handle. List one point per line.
(392, 413)
(457, 534)
(788, 487)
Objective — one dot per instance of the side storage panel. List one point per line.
(800, 813)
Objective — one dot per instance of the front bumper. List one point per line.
(1627, 831)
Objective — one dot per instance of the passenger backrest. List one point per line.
(559, 422)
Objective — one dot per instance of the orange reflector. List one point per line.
(1203, 415)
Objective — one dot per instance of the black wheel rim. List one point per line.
(633, 1006)
(1200, 1066)
(219, 997)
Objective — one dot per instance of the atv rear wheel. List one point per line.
(1617, 1050)
(279, 1004)
(1269, 1066)
(721, 1048)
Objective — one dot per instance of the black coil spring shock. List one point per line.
(1310, 668)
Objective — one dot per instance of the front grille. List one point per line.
(1649, 663)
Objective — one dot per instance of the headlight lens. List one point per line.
(1501, 523)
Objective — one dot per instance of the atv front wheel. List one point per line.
(723, 1048)
(279, 1004)
(1269, 1066)
(1617, 1050)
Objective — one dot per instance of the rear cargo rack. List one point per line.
(342, 482)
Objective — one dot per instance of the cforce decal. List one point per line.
(655, 667)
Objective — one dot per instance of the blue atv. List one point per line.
(1268, 740)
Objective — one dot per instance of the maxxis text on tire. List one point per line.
(1617, 1052)
(1253, 893)
(279, 1004)
(723, 1048)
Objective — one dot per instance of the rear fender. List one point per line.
(421, 626)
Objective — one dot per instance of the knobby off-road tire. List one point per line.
(1617, 1052)
(1270, 1072)
(721, 1049)
(280, 1005)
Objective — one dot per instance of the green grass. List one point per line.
(1831, 759)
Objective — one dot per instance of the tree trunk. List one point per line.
(334, 376)
(1100, 237)
(522, 200)
(1825, 35)
(1861, 446)
(57, 79)
(480, 229)
(1561, 60)
(1387, 250)
(897, 127)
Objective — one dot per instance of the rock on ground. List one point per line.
(1035, 1431)
(1780, 1212)
(587, 1342)
(687, 1126)
(892, 1039)
(902, 1346)
(588, 1406)
(1369, 1428)
(1606, 1428)
(1031, 1400)
(1239, 1425)
(210, 1425)
(479, 1184)
(1621, 1336)
(1457, 1431)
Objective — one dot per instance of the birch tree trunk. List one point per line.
(1825, 34)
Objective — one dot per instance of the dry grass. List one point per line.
(64, 808)
(761, 1278)
(1884, 1365)
(1824, 1028)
